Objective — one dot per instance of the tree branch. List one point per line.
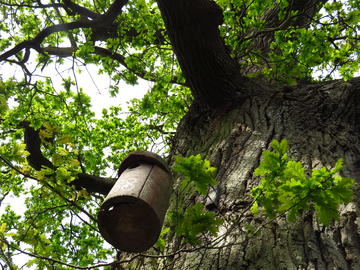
(192, 26)
(37, 160)
(306, 9)
(121, 59)
(69, 51)
(31, 6)
(114, 9)
(35, 43)
(80, 10)
(33, 144)
(55, 261)
(94, 183)
(102, 24)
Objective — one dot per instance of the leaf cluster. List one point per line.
(195, 171)
(285, 188)
(194, 221)
(327, 45)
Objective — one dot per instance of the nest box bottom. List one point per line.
(129, 224)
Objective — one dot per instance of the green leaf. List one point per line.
(2, 228)
(160, 243)
(195, 222)
(285, 188)
(295, 170)
(197, 171)
(255, 208)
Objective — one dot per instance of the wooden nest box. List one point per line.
(133, 212)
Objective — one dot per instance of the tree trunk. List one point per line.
(320, 121)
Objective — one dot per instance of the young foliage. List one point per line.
(286, 188)
(326, 47)
(195, 220)
(59, 222)
(196, 171)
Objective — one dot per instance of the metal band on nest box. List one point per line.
(132, 214)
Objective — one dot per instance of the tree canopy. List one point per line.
(60, 159)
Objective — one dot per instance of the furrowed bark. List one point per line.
(192, 26)
(320, 122)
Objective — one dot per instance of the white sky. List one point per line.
(94, 84)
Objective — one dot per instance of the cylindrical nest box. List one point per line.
(133, 212)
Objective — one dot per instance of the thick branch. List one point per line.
(80, 10)
(100, 26)
(104, 26)
(306, 9)
(192, 26)
(33, 143)
(94, 183)
(37, 160)
(35, 43)
(114, 10)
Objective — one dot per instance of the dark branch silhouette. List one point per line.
(101, 24)
(37, 161)
(75, 8)
(33, 145)
(212, 74)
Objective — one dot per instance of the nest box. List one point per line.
(133, 212)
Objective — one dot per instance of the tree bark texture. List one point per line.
(320, 121)
(193, 30)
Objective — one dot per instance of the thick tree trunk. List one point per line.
(211, 73)
(321, 124)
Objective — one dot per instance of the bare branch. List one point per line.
(60, 51)
(54, 260)
(114, 263)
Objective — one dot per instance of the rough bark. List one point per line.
(319, 121)
(193, 30)
(321, 124)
